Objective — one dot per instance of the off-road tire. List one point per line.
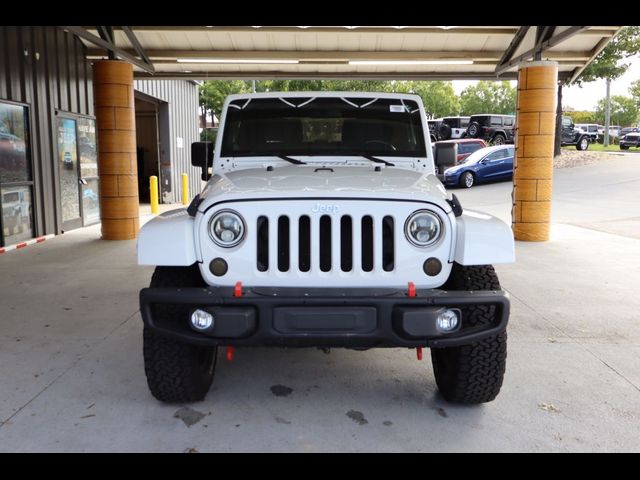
(473, 373)
(176, 371)
(445, 131)
(473, 130)
(583, 144)
(624, 147)
(499, 139)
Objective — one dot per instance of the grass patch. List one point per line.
(596, 147)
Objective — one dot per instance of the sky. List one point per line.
(585, 97)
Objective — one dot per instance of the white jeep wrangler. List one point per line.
(324, 225)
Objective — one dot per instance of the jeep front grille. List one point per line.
(325, 243)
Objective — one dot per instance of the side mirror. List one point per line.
(446, 155)
(202, 156)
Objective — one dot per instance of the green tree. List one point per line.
(634, 90)
(624, 110)
(439, 98)
(488, 97)
(213, 93)
(582, 116)
(609, 63)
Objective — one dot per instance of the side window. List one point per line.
(508, 122)
(464, 122)
(463, 148)
(495, 155)
(566, 122)
(496, 121)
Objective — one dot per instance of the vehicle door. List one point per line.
(567, 130)
(493, 165)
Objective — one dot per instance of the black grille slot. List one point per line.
(346, 244)
(325, 243)
(304, 243)
(283, 243)
(387, 244)
(367, 243)
(262, 228)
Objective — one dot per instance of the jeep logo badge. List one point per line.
(325, 208)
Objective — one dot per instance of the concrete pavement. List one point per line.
(73, 379)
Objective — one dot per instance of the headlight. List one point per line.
(226, 228)
(423, 228)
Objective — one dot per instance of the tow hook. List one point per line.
(230, 351)
(419, 353)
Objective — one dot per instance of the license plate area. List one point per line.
(324, 320)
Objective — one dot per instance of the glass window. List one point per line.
(496, 121)
(14, 161)
(508, 121)
(68, 163)
(17, 224)
(88, 170)
(464, 122)
(323, 126)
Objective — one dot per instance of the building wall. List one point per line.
(45, 68)
(181, 104)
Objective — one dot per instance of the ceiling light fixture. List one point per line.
(235, 60)
(410, 62)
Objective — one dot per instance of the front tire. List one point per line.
(467, 180)
(624, 147)
(176, 371)
(472, 374)
(582, 144)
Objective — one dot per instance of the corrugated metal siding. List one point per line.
(53, 74)
(182, 103)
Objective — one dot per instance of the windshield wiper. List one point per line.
(288, 159)
(376, 159)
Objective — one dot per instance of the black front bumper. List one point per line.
(321, 317)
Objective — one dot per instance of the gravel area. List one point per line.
(575, 158)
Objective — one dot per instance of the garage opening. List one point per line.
(147, 144)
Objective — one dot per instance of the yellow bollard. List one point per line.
(185, 189)
(153, 191)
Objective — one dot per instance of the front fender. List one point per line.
(483, 239)
(168, 240)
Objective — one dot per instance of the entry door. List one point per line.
(68, 173)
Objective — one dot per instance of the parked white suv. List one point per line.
(324, 225)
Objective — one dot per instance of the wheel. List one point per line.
(624, 147)
(473, 130)
(582, 144)
(176, 371)
(445, 131)
(499, 139)
(472, 373)
(467, 180)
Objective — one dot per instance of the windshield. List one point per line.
(323, 126)
(474, 157)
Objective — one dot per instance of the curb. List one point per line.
(18, 246)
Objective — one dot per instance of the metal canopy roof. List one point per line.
(431, 52)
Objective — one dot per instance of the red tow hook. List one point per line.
(419, 353)
(230, 351)
(237, 291)
(412, 290)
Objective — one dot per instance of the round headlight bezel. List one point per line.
(219, 241)
(431, 242)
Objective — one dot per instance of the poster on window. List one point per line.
(14, 162)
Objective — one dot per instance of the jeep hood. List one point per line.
(317, 182)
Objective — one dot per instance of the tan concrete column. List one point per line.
(533, 164)
(117, 164)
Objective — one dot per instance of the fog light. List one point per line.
(432, 266)
(218, 267)
(201, 320)
(448, 321)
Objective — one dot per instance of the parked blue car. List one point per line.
(484, 165)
